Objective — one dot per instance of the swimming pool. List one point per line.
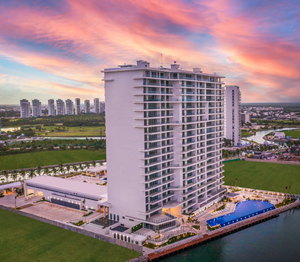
(243, 210)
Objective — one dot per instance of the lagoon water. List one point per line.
(258, 137)
(277, 239)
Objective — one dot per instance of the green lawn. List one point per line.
(245, 133)
(26, 239)
(59, 130)
(293, 133)
(266, 176)
(47, 158)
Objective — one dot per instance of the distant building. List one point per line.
(60, 107)
(96, 106)
(245, 117)
(77, 106)
(87, 108)
(25, 108)
(36, 108)
(51, 107)
(102, 107)
(279, 135)
(69, 107)
(233, 113)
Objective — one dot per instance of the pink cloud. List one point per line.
(92, 35)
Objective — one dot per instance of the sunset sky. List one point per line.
(57, 48)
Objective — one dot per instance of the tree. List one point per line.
(54, 170)
(75, 168)
(87, 164)
(81, 167)
(5, 174)
(182, 220)
(94, 163)
(286, 191)
(31, 173)
(68, 168)
(22, 173)
(61, 169)
(46, 171)
(14, 175)
(38, 170)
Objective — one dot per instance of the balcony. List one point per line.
(156, 76)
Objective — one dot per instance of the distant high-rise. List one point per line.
(245, 117)
(25, 108)
(233, 114)
(96, 106)
(60, 107)
(36, 108)
(102, 107)
(87, 106)
(69, 107)
(51, 107)
(77, 106)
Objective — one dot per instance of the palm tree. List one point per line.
(61, 169)
(5, 173)
(68, 168)
(46, 171)
(54, 170)
(22, 173)
(75, 168)
(14, 175)
(285, 191)
(87, 164)
(38, 170)
(31, 173)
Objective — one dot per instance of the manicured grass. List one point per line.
(293, 133)
(245, 133)
(48, 158)
(26, 239)
(267, 176)
(59, 130)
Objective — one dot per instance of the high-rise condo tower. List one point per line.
(164, 131)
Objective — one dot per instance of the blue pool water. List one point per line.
(242, 211)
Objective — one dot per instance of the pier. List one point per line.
(223, 231)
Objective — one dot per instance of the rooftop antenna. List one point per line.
(161, 60)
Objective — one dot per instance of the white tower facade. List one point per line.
(69, 107)
(97, 106)
(60, 107)
(164, 131)
(233, 114)
(25, 109)
(36, 108)
(87, 107)
(51, 107)
(77, 106)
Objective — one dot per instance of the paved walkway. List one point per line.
(9, 200)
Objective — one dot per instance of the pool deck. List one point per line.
(219, 232)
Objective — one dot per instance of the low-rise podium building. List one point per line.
(67, 192)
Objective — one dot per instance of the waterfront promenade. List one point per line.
(199, 239)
